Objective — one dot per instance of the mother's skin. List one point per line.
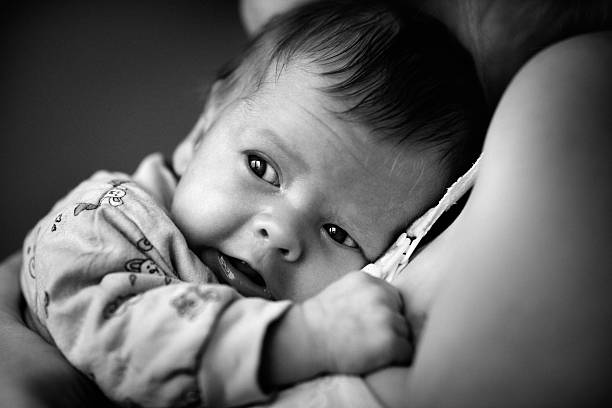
(523, 316)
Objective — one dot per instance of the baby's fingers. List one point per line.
(403, 347)
(395, 339)
(393, 297)
(401, 327)
(403, 351)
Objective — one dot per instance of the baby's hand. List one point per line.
(357, 325)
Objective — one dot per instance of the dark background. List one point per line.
(88, 85)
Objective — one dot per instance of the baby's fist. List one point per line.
(358, 326)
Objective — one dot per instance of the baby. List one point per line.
(226, 275)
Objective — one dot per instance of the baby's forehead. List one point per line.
(375, 148)
(259, 72)
(386, 176)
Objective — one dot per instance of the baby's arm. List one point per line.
(97, 274)
(33, 373)
(105, 275)
(353, 326)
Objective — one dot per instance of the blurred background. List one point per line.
(88, 85)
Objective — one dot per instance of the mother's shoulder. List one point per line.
(586, 52)
(563, 85)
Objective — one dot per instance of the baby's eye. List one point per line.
(339, 235)
(263, 170)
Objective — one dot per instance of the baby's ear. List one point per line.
(186, 148)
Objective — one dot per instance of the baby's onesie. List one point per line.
(109, 279)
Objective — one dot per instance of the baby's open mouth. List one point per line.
(246, 269)
(238, 274)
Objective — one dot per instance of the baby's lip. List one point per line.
(237, 273)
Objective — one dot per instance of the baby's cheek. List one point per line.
(201, 224)
(188, 227)
(183, 214)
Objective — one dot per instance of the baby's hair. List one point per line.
(399, 72)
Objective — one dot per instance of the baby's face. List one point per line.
(281, 197)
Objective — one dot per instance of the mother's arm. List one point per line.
(33, 373)
(524, 317)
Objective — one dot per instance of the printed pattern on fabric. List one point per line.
(114, 197)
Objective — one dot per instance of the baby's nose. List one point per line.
(279, 236)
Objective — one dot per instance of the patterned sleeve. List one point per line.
(110, 280)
